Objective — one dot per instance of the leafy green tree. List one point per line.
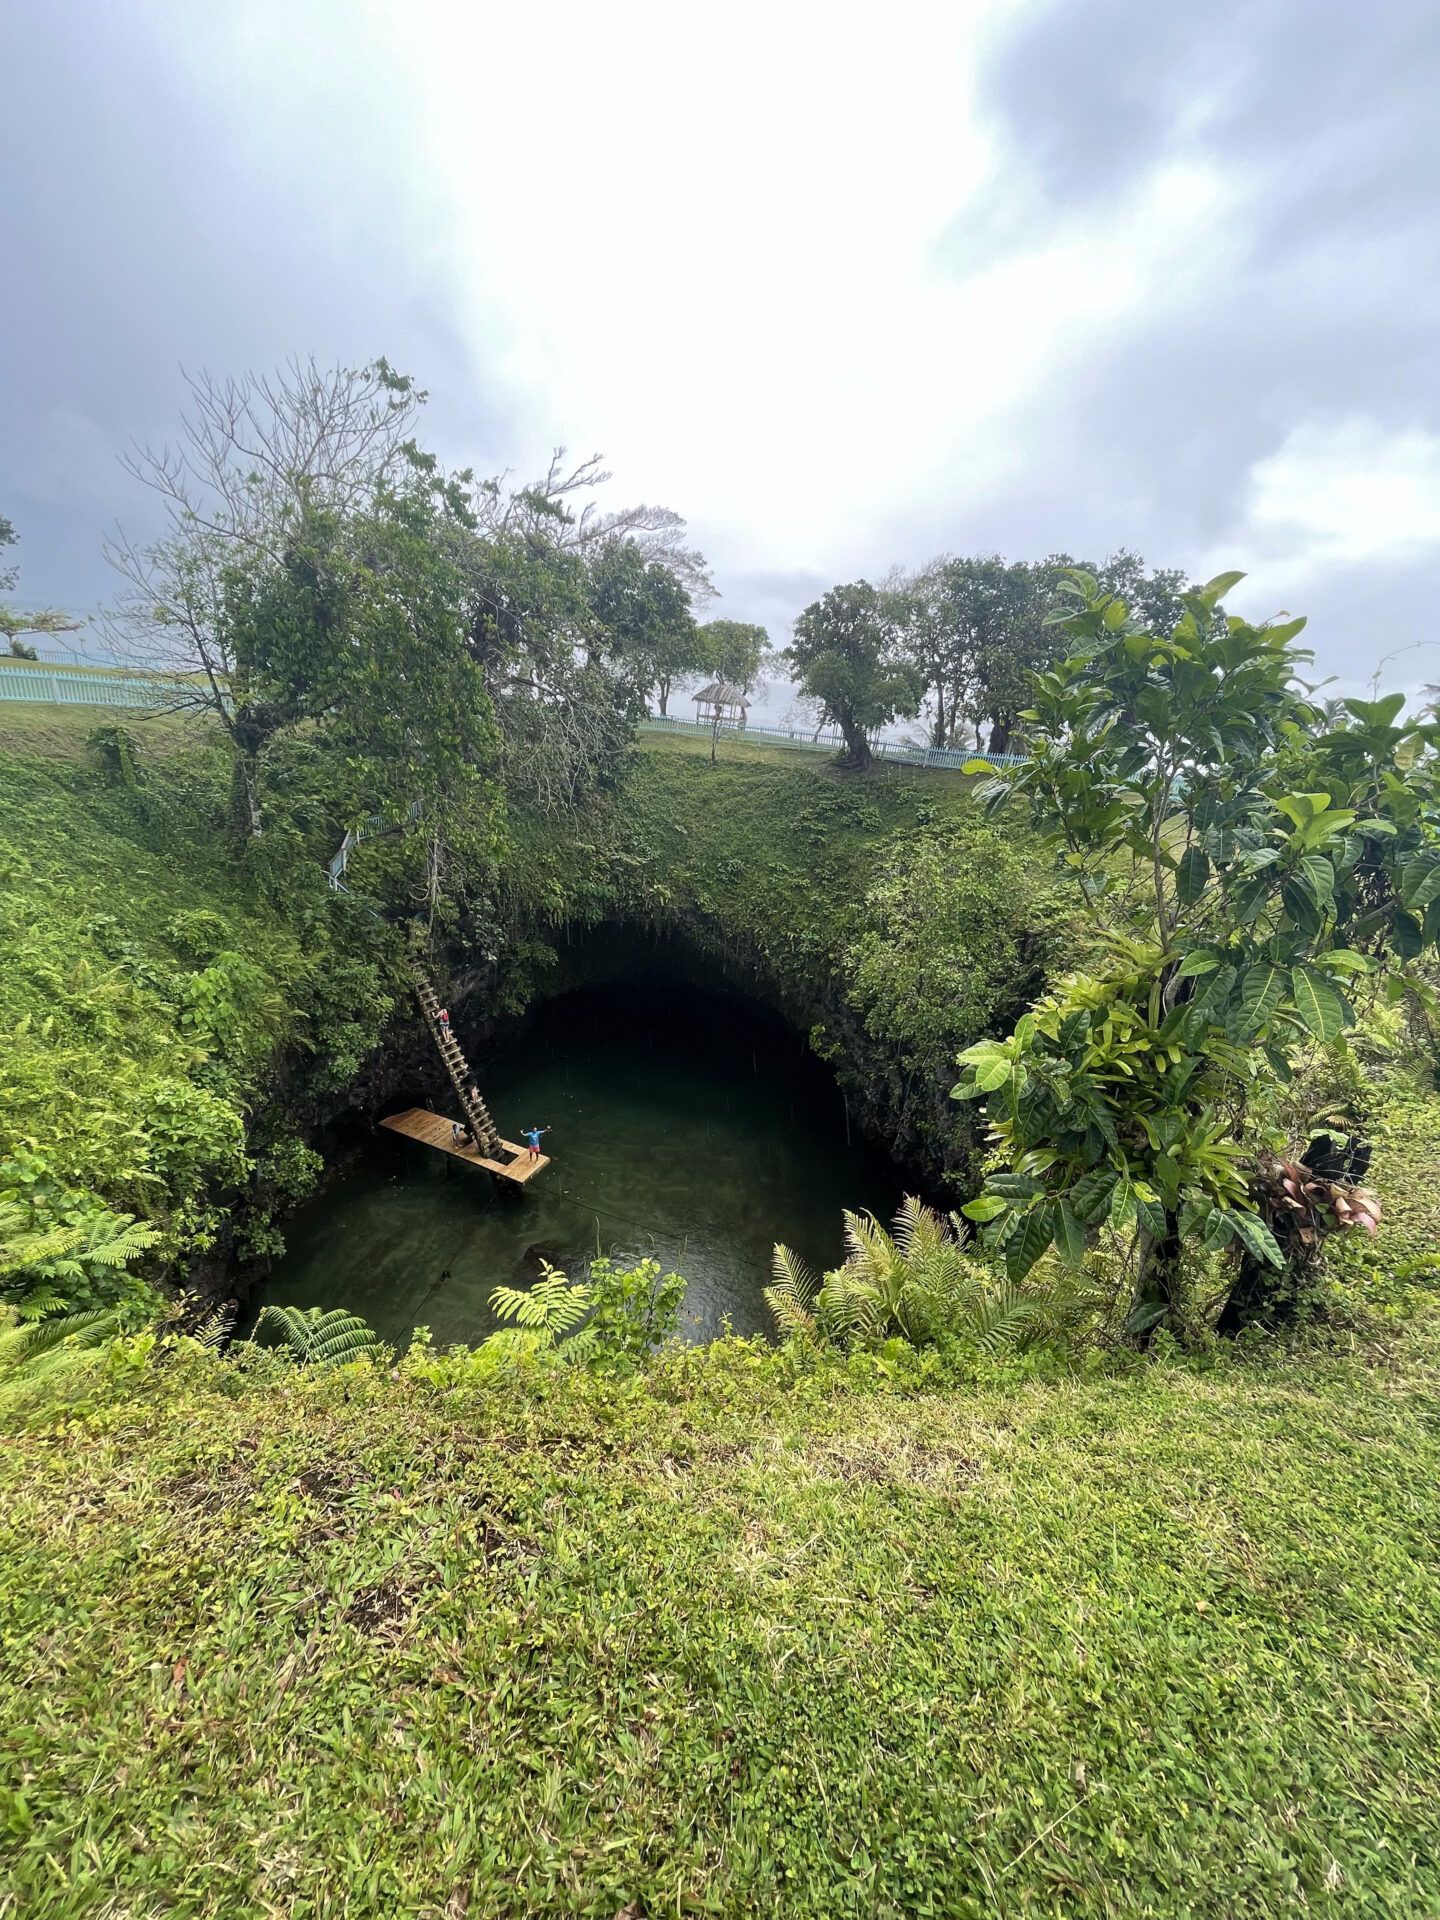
(644, 614)
(249, 589)
(999, 613)
(977, 627)
(1236, 906)
(846, 655)
(734, 651)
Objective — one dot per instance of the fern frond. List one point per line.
(552, 1306)
(1005, 1320)
(320, 1337)
(339, 1337)
(215, 1329)
(20, 1346)
(792, 1277)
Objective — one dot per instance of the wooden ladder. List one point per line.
(477, 1114)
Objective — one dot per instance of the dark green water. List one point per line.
(684, 1126)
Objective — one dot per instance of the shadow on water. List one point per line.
(684, 1125)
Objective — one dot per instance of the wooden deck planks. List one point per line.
(431, 1130)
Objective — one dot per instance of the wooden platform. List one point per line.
(431, 1131)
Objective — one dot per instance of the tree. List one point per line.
(734, 651)
(562, 687)
(644, 612)
(976, 626)
(1243, 863)
(266, 475)
(846, 656)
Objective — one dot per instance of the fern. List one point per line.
(792, 1297)
(23, 1345)
(214, 1329)
(60, 1247)
(917, 1284)
(319, 1337)
(552, 1307)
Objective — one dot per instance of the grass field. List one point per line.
(362, 1644)
(57, 732)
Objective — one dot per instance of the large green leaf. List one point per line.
(1013, 1186)
(1151, 1216)
(1090, 1196)
(1257, 1237)
(1317, 1003)
(1192, 876)
(1026, 1247)
(1069, 1236)
(1408, 934)
(1261, 992)
(1319, 876)
(1200, 961)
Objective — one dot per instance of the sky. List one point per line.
(848, 286)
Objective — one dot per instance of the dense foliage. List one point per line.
(1245, 862)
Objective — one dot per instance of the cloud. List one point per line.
(846, 286)
(1346, 493)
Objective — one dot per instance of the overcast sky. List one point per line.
(846, 286)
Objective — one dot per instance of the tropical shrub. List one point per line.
(916, 1285)
(63, 1250)
(626, 1312)
(1244, 863)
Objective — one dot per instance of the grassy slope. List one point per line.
(135, 1061)
(768, 842)
(100, 1070)
(1167, 1644)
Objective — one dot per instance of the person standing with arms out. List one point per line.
(532, 1134)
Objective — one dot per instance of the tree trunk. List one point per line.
(857, 747)
(715, 734)
(1263, 1296)
(663, 688)
(1158, 1287)
(245, 796)
(938, 731)
(999, 733)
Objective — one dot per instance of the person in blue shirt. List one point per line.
(532, 1134)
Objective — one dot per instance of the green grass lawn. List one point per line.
(362, 1644)
(46, 731)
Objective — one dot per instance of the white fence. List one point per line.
(828, 740)
(76, 687)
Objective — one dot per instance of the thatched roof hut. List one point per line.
(723, 703)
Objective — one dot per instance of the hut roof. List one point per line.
(720, 693)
